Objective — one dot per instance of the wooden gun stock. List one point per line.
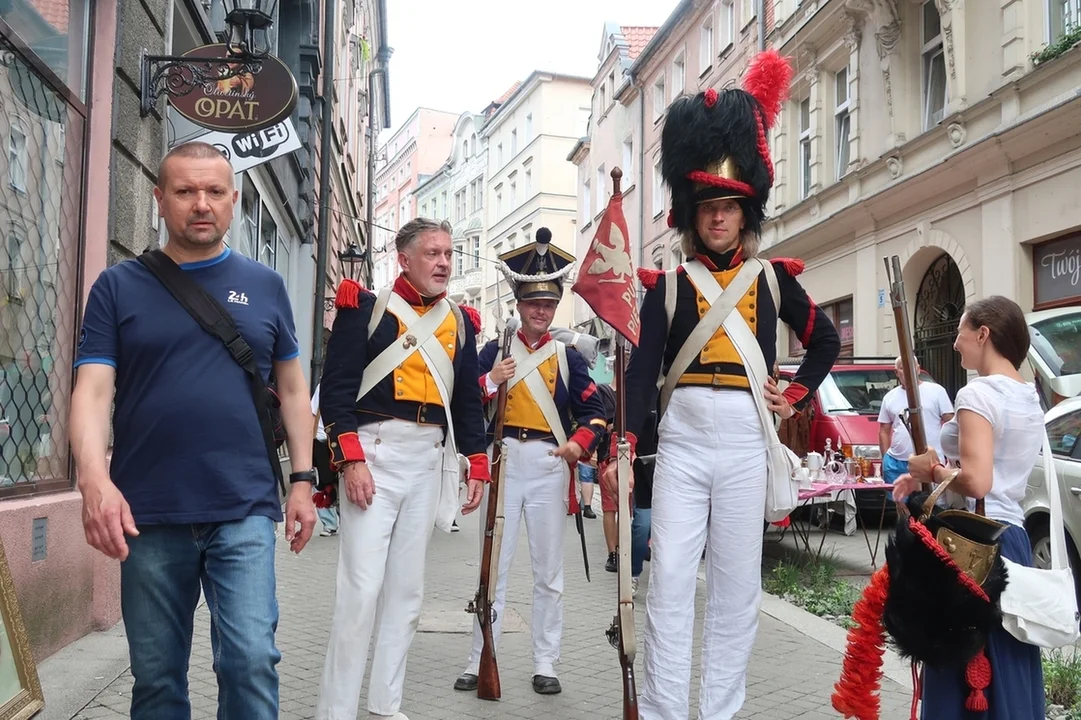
(910, 370)
(621, 633)
(488, 671)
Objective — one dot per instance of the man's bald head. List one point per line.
(193, 150)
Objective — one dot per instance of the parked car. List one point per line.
(844, 410)
(1055, 353)
(1063, 423)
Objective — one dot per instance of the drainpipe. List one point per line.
(369, 272)
(760, 11)
(642, 170)
(325, 145)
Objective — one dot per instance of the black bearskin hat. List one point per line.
(714, 144)
(932, 610)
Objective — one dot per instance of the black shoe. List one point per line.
(613, 564)
(588, 512)
(543, 685)
(649, 554)
(466, 681)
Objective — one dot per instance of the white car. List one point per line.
(1063, 423)
(1055, 353)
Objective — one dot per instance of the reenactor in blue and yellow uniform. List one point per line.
(710, 476)
(549, 387)
(400, 400)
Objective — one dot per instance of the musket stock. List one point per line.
(488, 672)
(910, 370)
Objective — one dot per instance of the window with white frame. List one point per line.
(603, 104)
(660, 100)
(459, 259)
(728, 24)
(934, 66)
(17, 158)
(480, 192)
(499, 204)
(602, 187)
(586, 202)
(528, 128)
(459, 204)
(746, 11)
(658, 189)
(679, 75)
(705, 46)
(513, 142)
(842, 121)
(476, 251)
(499, 155)
(528, 189)
(804, 148)
(513, 195)
(628, 161)
(1063, 16)
(424, 209)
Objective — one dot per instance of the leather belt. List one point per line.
(527, 434)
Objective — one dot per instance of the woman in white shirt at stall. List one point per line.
(996, 435)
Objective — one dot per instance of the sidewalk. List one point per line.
(797, 656)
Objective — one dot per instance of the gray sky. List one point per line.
(460, 55)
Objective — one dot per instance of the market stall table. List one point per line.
(817, 491)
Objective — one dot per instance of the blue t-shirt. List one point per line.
(187, 446)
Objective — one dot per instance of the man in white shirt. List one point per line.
(893, 438)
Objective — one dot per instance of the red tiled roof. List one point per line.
(55, 13)
(506, 96)
(637, 38)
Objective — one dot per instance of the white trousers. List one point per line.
(380, 581)
(710, 480)
(536, 490)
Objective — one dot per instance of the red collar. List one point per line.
(412, 296)
(544, 338)
(720, 261)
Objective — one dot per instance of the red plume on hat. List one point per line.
(767, 79)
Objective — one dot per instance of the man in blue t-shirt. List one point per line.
(190, 497)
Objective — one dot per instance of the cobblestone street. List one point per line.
(791, 673)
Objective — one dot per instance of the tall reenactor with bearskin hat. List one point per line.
(711, 466)
(549, 385)
(400, 400)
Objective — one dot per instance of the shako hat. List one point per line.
(536, 271)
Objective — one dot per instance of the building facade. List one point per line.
(530, 184)
(614, 139)
(455, 192)
(416, 149)
(943, 133)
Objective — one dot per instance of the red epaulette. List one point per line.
(648, 277)
(349, 294)
(474, 316)
(792, 266)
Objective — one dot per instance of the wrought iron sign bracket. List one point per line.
(177, 76)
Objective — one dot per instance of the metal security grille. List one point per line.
(940, 303)
(41, 171)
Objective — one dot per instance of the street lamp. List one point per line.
(248, 44)
(351, 258)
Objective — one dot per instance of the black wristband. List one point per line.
(302, 476)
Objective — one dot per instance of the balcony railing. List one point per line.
(467, 285)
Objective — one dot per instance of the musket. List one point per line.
(913, 418)
(621, 632)
(481, 605)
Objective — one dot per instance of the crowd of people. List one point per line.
(395, 440)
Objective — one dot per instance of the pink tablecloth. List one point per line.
(821, 489)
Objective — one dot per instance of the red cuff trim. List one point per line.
(484, 395)
(346, 448)
(585, 437)
(795, 393)
(478, 467)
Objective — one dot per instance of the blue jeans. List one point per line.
(892, 468)
(159, 590)
(329, 518)
(639, 539)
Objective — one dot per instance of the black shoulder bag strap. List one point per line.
(217, 321)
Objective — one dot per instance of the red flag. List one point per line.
(606, 275)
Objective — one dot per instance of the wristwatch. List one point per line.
(302, 476)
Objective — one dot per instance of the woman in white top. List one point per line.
(996, 435)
